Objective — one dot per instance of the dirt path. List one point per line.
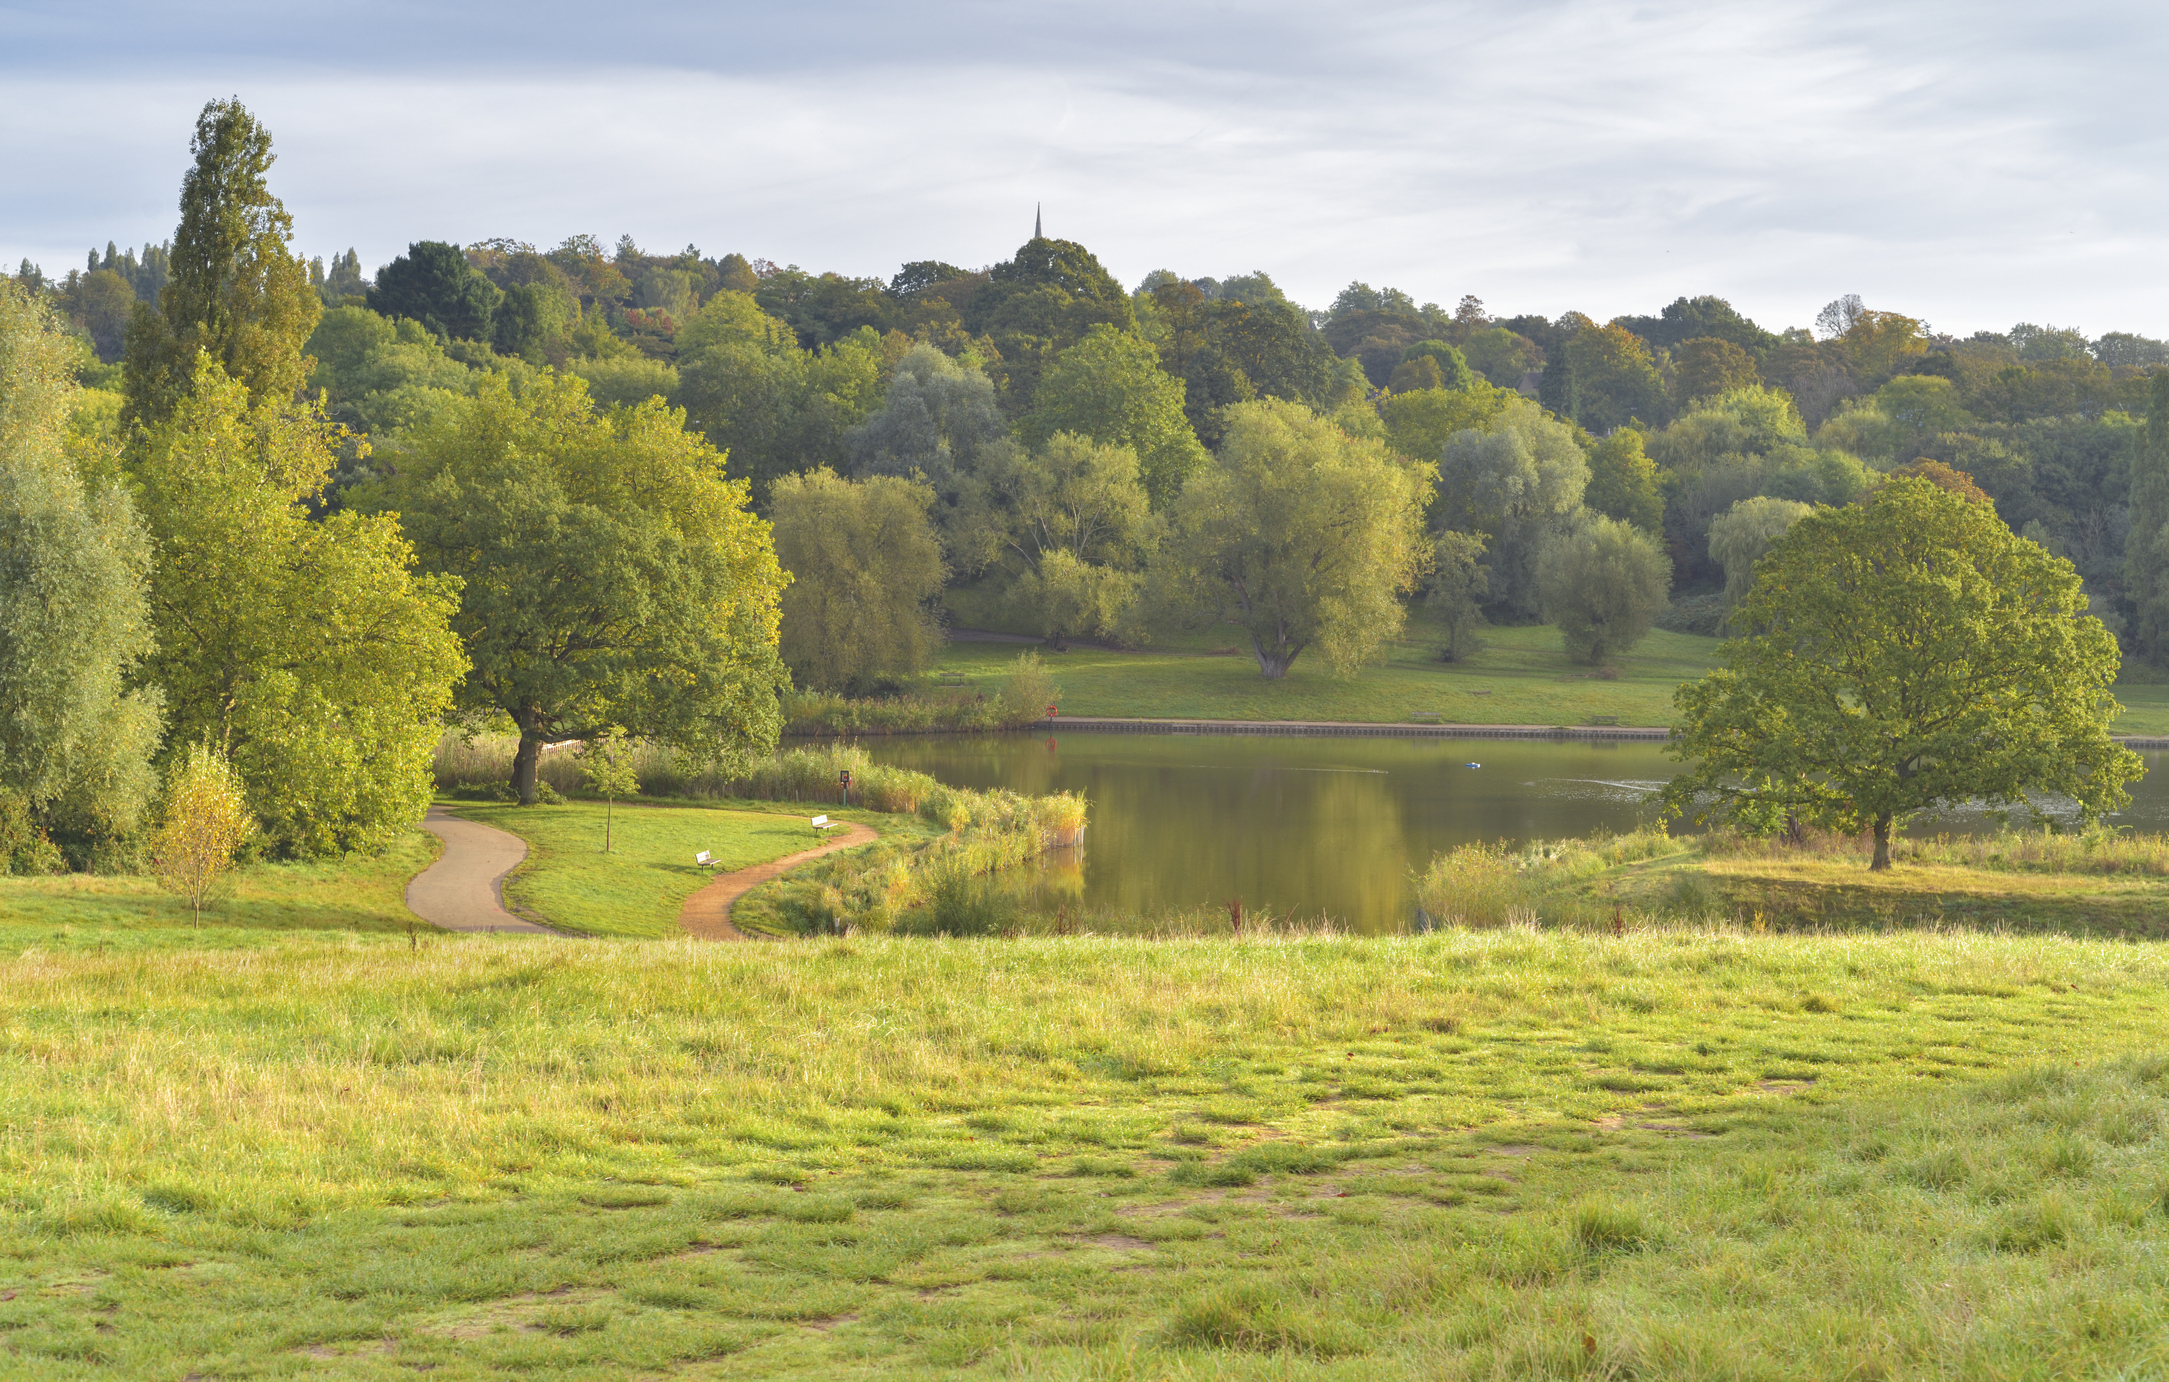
(707, 913)
(465, 889)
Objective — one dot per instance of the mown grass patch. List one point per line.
(639, 887)
(1520, 676)
(1473, 1155)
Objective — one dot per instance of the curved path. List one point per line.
(465, 889)
(707, 913)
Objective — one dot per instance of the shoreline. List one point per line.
(1390, 729)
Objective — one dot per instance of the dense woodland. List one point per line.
(592, 489)
(1678, 416)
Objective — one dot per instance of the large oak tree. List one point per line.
(1906, 653)
(613, 575)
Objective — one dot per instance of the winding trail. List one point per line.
(707, 913)
(465, 889)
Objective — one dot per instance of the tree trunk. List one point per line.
(1882, 844)
(524, 764)
(1273, 664)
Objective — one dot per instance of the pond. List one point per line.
(1323, 827)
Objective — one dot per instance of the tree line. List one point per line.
(594, 487)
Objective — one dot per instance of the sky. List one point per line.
(1972, 164)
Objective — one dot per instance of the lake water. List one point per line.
(1322, 827)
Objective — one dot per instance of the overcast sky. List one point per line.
(1974, 164)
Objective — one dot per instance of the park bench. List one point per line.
(822, 823)
(1485, 692)
(705, 860)
(1418, 716)
(950, 679)
(1604, 719)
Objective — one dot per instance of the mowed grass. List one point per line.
(1473, 1155)
(263, 901)
(1520, 676)
(638, 888)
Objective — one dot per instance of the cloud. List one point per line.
(1971, 164)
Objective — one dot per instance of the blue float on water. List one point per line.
(1472, 765)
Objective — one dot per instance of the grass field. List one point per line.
(1505, 1154)
(1520, 676)
(638, 888)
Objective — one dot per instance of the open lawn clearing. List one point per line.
(1520, 676)
(1471, 1155)
(638, 888)
(131, 911)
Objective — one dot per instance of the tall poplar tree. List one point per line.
(236, 291)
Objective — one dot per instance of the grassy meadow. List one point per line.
(1519, 676)
(1499, 1154)
(263, 902)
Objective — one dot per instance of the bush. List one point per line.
(24, 849)
(1028, 692)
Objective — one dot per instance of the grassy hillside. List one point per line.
(1480, 1155)
(1518, 676)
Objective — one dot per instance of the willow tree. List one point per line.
(75, 741)
(1298, 534)
(236, 291)
(1905, 654)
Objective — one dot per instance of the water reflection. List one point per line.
(1319, 827)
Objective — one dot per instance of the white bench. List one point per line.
(705, 860)
(821, 823)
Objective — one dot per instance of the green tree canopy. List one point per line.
(1068, 525)
(1037, 305)
(1420, 423)
(432, 283)
(307, 651)
(1603, 583)
(1110, 387)
(612, 574)
(1447, 360)
(1300, 535)
(1459, 582)
(1515, 482)
(865, 567)
(234, 290)
(1744, 533)
(1705, 367)
(2146, 561)
(75, 743)
(1242, 340)
(1501, 356)
(940, 420)
(1623, 481)
(1904, 654)
(1615, 379)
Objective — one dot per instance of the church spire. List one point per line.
(1037, 234)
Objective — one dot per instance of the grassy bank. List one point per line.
(2096, 883)
(1479, 1155)
(1518, 676)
